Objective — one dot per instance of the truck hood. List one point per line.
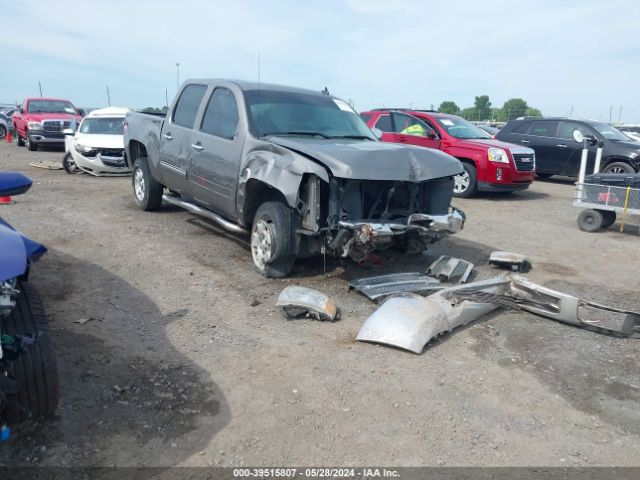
(100, 141)
(38, 117)
(372, 160)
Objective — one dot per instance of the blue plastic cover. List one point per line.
(13, 183)
(16, 251)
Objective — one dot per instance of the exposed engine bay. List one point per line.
(355, 217)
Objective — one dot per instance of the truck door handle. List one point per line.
(197, 147)
(167, 136)
(525, 141)
(561, 145)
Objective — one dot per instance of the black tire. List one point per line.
(150, 197)
(32, 147)
(590, 220)
(3, 132)
(35, 369)
(470, 175)
(69, 164)
(608, 218)
(273, 240)
(19, 140)
(544, 176)
(619, 167)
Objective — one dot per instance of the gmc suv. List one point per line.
(489, 164)
(558, 149)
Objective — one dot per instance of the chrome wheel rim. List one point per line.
(461, 182)
(138, 185)
(262, 243)
(617, 170)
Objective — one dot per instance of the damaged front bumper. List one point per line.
(357, 239)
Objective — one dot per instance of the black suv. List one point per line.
(558, 152)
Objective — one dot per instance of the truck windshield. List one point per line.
(609, 132)
(51, 106)
(290, 113)
(460, 128)
(102, 126)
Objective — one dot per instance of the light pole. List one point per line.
(177, 75)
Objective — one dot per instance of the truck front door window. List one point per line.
(221, 117)
(184, 113)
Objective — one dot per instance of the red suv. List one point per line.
(489, 164)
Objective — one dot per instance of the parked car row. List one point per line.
(489, 164)
(559, 148)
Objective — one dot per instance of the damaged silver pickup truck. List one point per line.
(297, 170)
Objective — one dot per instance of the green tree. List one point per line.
(470, 113)
(482, 106)
(514, 108)
(448, 107)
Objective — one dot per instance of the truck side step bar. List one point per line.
(198, 210)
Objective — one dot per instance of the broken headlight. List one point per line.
(84, 149)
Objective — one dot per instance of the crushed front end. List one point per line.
(358, 217)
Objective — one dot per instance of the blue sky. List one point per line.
(554, 54)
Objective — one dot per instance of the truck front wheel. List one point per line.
(147, 192)
(19, 139)
(32, 147)
(273, 240)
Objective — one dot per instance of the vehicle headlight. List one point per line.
(34, 125)
(84, 149)
(498, 155)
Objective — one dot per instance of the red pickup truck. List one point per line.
(489, 164)
(41, 121)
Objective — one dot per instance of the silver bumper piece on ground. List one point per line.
(297, 301)
(381, 286)
(450, 269)
(511, 261)
(409, 321)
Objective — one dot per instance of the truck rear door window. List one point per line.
(185, 111)
(544, 128)
(221, 117)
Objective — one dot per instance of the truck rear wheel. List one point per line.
(273, 240)
(34, 369)
(147, 192)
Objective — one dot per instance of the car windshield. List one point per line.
(102, 126)
(51, 106)
(489, 129)
(460, 128)
(609, 132)
(290, 113)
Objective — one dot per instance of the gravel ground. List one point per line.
(185, 360)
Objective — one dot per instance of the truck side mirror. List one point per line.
(578, 136)
(21, 110)
(432, 135)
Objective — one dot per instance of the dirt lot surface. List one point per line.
(185, 360)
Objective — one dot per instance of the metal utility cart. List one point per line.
(604, 196)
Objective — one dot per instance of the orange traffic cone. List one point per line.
(9, 139)
(5, 201)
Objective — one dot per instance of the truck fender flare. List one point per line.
(282, 171)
